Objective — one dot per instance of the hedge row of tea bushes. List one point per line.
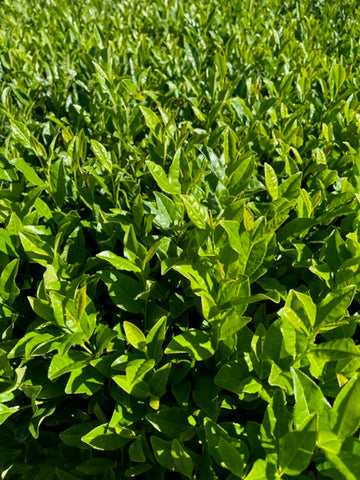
(179, 240)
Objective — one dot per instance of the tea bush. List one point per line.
(179, 238)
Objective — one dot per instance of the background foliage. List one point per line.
(179, 238)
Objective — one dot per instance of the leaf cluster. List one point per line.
(179, 240)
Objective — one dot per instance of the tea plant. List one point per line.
(179, 240)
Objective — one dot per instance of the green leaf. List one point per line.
(228, 452)
(72, 435)
(43, 208)
(118, 262)
(123, 290)
(6, 412)
(36, 249)
(135, 336)
(230, 458)
(61, 364)
(86, 381)
(335, 350)
(21, 133)
(139, 388)
(182, 460)
(8, 288)
(197, 213)
(28, 171)
(309, 399)
(205, 395)
(288, 315)
(303, 305)
(107, 438)
(337, 77)
(251, 254)
(348, 464)
(155, 339)
(136, 452)
(58, 182)
(162, 452)
(333, 307)
(232, 376)
(230, 150)
(262, 470)
(136, 369)
(133, 250)
(95, 466)
(290, 188)
(80, 302)
(162, 180)
(271, 181)
(232, 324)
(195, 342)
(102, 156)
(174, 171)
(63, 475)
(38, 417)
(297, 447)
(158, 381)
(151, 118)
(172, 422)
(345, 414)
(242, 172)
(276, 422)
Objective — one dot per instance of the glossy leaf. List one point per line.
(195, 342)
(345, 414)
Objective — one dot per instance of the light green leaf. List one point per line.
(136, 369)
(227, 451)
(345, 414)
(21, 133)
(195, 342)
(85, 380)
(80, 302)
(197, 213)
(335, 350)
(6, 412)
(262, 470)
(155, 339)
(161, 178)
(123, 290)
(309, 399)
(151, 119)
(333, 307)
(297, 447)
(28, 171)
(135, 336)
(348, 464)
(271, 181)
(107, 438)
(337, 77)
(232, 324)
(230, 150)
(102, 156)
(8, 288)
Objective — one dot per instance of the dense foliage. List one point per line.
(179, 239)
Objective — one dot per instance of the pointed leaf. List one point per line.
(297, 447)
